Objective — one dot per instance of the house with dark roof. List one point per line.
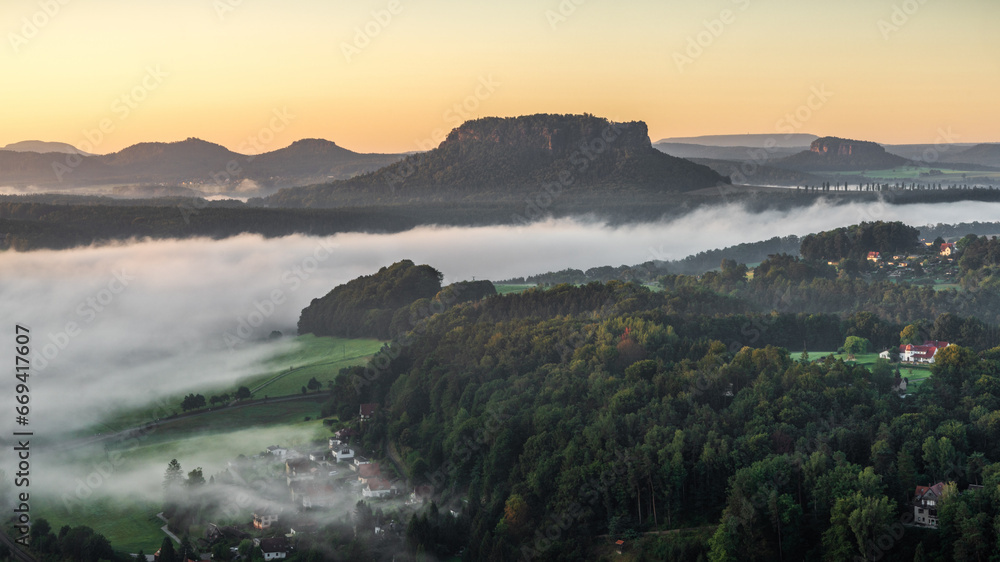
(367, 411)
(377, 488)
(297, 469)
(215, 533)
(274, 548)
(925, 504)
(312, 495)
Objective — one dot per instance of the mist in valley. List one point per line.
(123, 324)
(128, 325)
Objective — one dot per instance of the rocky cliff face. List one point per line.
(836, 154)
(843, 147)
(556, 135)
(504, 158)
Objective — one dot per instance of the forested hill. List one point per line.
(498, 158)
(551, 418)
(386, 303)
(191, 162)
(832, 153)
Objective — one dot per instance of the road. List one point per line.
(135, 432)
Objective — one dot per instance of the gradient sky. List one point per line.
(230, 64)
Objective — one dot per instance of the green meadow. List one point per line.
(507, 289)
(915, 373)
(123, 506)
(281, 375)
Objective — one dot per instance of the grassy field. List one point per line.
(913, 174)
(507, 289)
(321, 358)
(915, 373)
(866, 359)
(130, 525)
(123, 506)
(238, 418)
(282, 375)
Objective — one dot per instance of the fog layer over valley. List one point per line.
(119, 325)
(122, 326)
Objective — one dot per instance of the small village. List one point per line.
(938, 264)
(288, 492)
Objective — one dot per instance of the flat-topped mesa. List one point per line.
(836, 154)
(558, 135)
(507, 158)
(844, 147)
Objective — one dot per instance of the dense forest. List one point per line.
(566, 414)
(856, 241)
(560, 417)
(386, 303)
(652, 271)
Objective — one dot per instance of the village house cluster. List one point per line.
(939, 261)
(322, 479)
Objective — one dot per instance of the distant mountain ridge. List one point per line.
(736, 153)
(773, 140)
(200, 164)
(837, 154)
(497, 158)
(43, 147)
(987, 154)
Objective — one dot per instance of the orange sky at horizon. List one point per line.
(391, 76)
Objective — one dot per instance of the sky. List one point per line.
(397, 75)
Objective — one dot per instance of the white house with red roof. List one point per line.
(948, 249)
(874, 256)
(925, 353)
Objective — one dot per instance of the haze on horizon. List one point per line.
(391, 76)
